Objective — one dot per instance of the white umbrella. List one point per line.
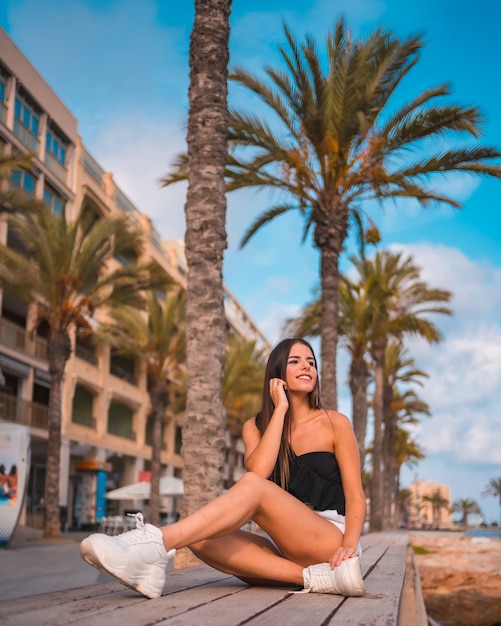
(169, 486)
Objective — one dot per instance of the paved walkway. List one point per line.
(32, 565)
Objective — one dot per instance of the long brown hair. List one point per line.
(276, 368)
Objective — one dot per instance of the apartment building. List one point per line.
(429, 505)
(105, 427)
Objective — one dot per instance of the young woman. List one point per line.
(303, 488)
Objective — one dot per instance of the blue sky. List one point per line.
(122, 68)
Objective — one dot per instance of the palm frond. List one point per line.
(270, 215)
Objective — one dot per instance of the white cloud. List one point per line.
(463, 388)
(139, 152)
(271, 322)
(475, 285)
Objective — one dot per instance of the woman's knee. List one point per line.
(253, 480)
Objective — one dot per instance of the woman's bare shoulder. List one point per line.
(249, 425)
(338, 419)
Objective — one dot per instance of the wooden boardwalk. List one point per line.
(201, 595)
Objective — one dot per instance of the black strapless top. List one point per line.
(315, 479)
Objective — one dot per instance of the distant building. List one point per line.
(429, 505)
(106, 431)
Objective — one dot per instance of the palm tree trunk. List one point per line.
(329, 272)
(203, 431)
(376, 508)
(389, 461)
(359, 376)
(390, 469)
(58, 352)
(159, 399)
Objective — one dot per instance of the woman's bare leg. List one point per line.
(250, 557)
(303, 537)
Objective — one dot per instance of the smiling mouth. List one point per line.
(304, 377)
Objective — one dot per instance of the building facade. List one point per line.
(105, 426)
(428, 506)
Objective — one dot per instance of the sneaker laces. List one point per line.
(139, 519)
(142, 531)
(323, 580)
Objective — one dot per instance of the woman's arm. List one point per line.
(348, 457)
(261, 451)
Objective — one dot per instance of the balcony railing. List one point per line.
(26, 136)
(86, 354)
(41, 348)
(93, 168)
(156, 240)
(14, 409)
(55, 167)
(12, 335)
(122, 373)
(125, 205)
(16, 337)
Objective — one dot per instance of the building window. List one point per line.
(54, 200)
(3, 91)
(123, 366)
(3, 85)
(27, 121)
(120, 420)
(56, 145)
(85, 349)
(56, 152)
(83, 404)
(22, 179)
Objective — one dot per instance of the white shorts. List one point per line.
(339, 521)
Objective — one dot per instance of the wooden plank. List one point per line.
(67, 607)
(92, 608)
(172, 605)
(54, 598)
(384, 585)
(230, 609)
(299, 609)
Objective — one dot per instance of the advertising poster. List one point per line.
(14, 469)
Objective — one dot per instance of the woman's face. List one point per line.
(301, 372)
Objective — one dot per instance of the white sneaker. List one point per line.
(137, 558)
(345, 579)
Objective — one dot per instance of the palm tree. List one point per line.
(465, 506)
(203, 430)
(438, 502)
(61, 268)
(403, 500)
(399, 407)
(400, 303)
(158, 340)
(242, 389)
(407, 452)
(493, 488)
(333, 140)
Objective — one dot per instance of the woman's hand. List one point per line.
(341, 554)
(277, 393)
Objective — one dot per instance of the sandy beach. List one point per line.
(460, 577)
